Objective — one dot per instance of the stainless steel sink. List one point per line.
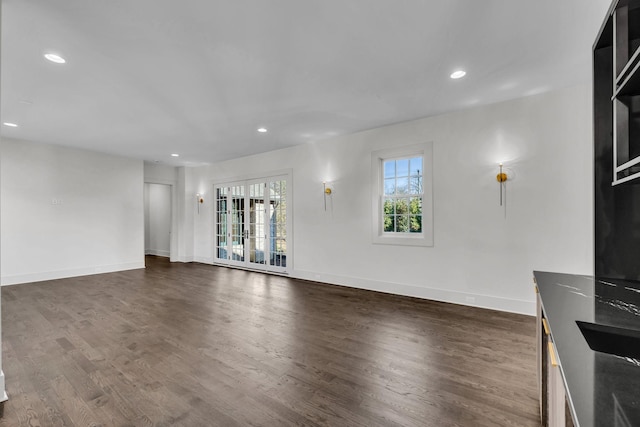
(610, 339)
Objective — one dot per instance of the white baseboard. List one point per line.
(157, 252)
(3, 392)
(63, 274)
(203, 260)
(443, 295)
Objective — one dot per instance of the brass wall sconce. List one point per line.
(326, 192)
(199, 201)
(501, 178)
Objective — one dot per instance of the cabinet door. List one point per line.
(556, 395)
(554, 408)
(568, 420)
(542, 350)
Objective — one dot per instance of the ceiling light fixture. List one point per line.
(175, 155)
(262, 130)
(458, 74)
(55, 58)
(11, 125)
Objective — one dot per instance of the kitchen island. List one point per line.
(600, 387)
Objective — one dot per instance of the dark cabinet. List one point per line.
(620, 38)
(616, 147)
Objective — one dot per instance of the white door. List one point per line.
(252, 223)
(257, 224)
(279, 217)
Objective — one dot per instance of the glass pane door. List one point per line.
(237, 223)
(278, 224)
(256, 224)
(252, 224)
(221, 252)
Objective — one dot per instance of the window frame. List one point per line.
(379, 236)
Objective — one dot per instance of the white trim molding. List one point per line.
(3, 395)
(173, 239)
(63, 274)
(435, 294)
(158, 252)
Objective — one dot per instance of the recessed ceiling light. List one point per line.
(262, 130)
(458, 74)
(11, 125)
(175, 155)
(55, 58)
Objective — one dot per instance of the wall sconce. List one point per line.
(199, 201)
(501, 178)
(326, 192)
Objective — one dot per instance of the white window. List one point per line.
(402, 195)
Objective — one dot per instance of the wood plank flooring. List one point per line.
(197, 345)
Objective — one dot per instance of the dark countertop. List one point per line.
(603, 389)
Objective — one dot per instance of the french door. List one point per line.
(253, 224)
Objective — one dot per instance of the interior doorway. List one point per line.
(157, 219)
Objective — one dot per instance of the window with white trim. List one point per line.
(402, 195)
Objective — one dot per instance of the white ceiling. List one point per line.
(147, 78)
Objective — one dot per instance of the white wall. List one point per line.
(68, 212)
(483, 254)
(157, 215)
(3, 393)
(159, 173)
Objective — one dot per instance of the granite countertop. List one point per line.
(603, 389)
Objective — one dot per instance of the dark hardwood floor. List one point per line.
(197, 345)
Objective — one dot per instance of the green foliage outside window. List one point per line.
(402, 189)
(403, 215)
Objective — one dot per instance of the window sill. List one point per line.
(408, 240)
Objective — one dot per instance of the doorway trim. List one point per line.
(173, 241)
